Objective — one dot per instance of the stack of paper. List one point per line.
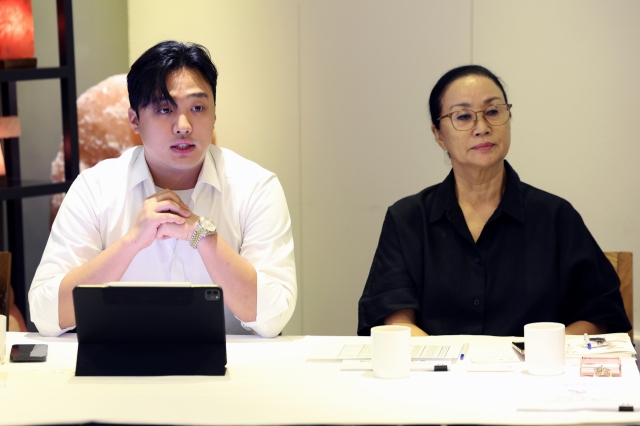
(616, 344)
(363, 351)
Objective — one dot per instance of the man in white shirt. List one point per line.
(178, 209)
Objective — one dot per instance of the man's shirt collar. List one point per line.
(209, 173)
(140, 173)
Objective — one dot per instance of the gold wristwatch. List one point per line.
(204, 227)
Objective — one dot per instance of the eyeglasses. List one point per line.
(465, 119)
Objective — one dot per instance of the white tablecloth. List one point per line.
(270, 381)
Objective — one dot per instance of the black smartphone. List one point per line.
(29, 353)
(518, 346)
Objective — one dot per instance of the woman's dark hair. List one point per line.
(147, 79)
(435, 99)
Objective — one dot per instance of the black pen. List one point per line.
(428, 366)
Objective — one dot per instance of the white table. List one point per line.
(270, 381)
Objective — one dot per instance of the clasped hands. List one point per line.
(162, 216)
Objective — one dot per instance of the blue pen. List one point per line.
(463, 351)
(586, 341)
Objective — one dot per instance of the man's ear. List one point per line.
(133, 121)
(436, 134)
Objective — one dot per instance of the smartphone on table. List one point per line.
(29, 353)
(518, 346)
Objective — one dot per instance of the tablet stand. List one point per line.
(150, 330)
(151, 359)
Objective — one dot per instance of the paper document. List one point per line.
(616, 343)
(597, 394)
(363, 351)
(416, 365)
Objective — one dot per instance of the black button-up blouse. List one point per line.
(535, 260)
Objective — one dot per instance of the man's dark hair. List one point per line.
(147, 79)
(435, 99)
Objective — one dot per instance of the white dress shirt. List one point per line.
(245, 201)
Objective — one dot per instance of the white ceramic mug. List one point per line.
(544, 345)
(3, 335)
(391, 351)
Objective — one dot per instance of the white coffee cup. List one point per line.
(3, 335)
(391, 351)
(544, 345)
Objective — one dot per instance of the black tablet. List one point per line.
(150, 329)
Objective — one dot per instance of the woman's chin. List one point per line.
(481, 161)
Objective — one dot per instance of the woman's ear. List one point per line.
(437, 135)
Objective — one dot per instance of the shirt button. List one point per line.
(477, 260)
(476, 302)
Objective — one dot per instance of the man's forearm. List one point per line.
(108, 266)
(236, 276)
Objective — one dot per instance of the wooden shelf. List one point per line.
(23, 188)
(22, 74)
(12, 187)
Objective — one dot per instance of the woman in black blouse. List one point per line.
(483, 252)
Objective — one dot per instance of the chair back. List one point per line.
(622, 262)
(5, 283)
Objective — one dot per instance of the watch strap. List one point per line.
(201, 231)
(195, 238)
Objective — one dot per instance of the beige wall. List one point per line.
(331, 95)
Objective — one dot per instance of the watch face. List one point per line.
(208, 226)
